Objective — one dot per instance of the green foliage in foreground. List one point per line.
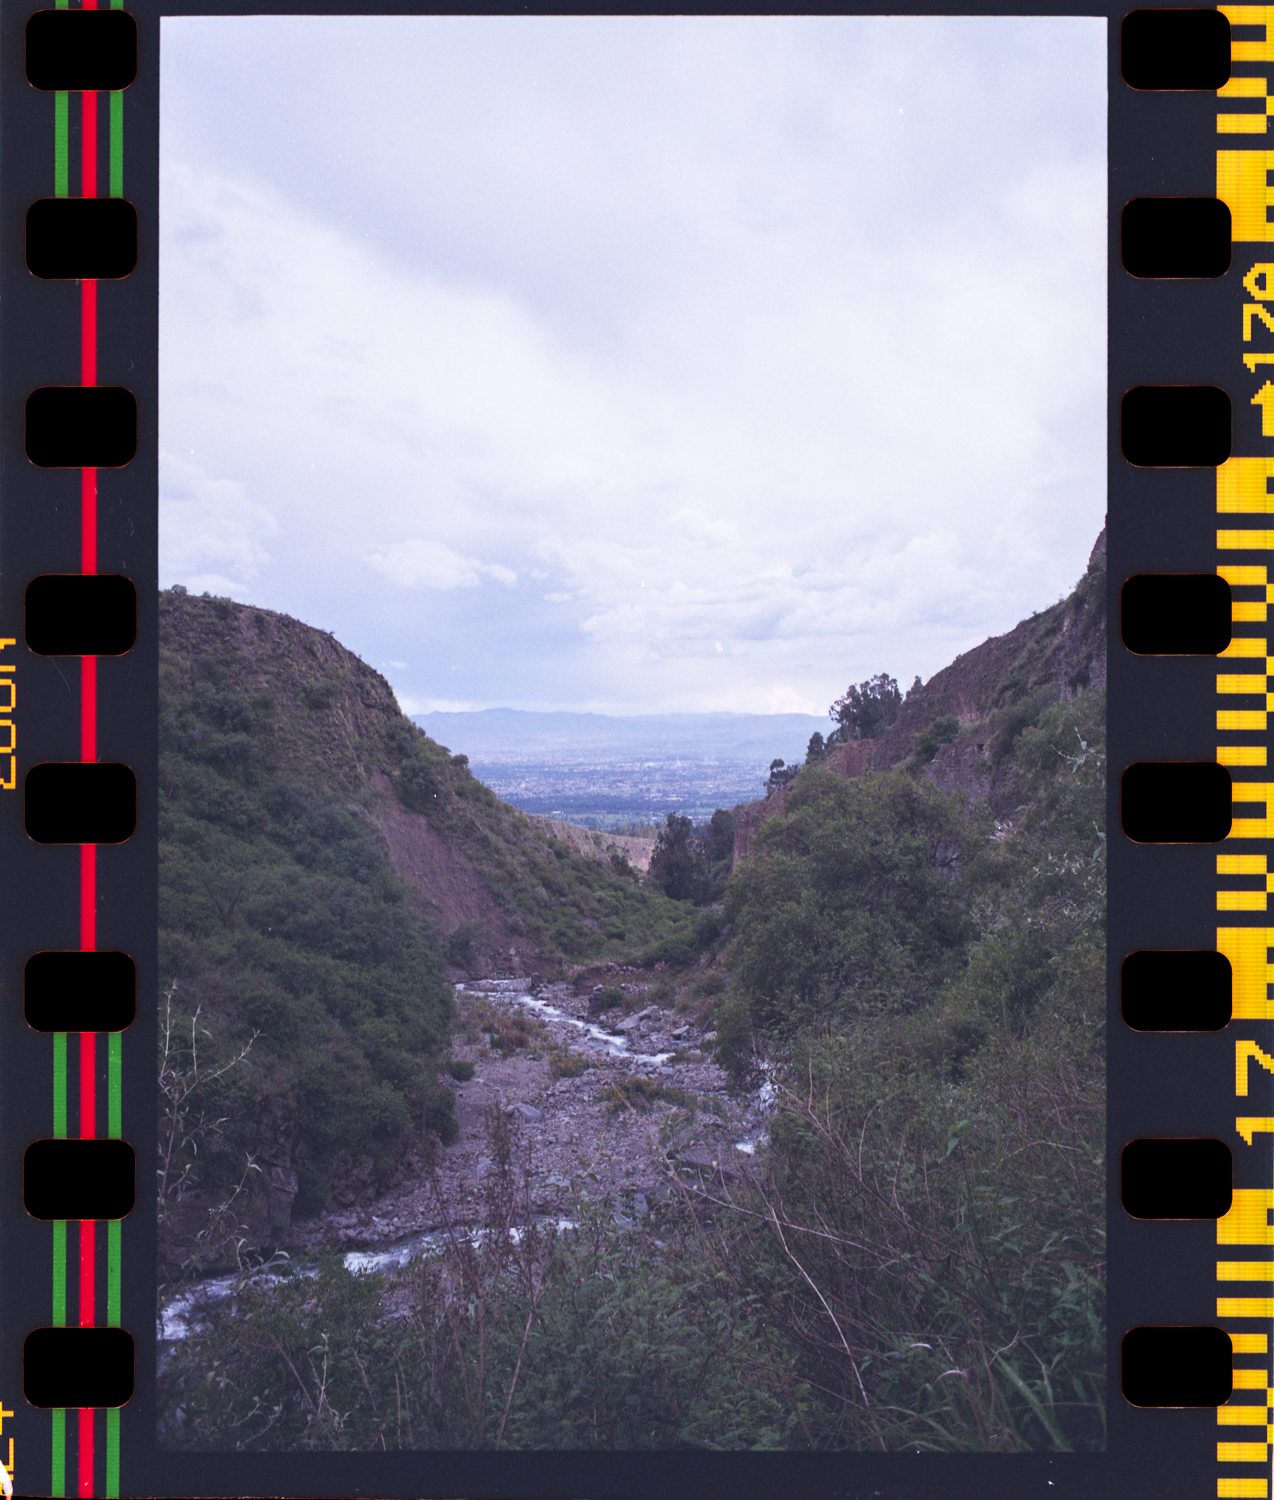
(931, 994)
(592, 1339)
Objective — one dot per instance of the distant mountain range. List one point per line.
(495, 735)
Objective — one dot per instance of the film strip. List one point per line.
(1191, 1195)
(80, 611)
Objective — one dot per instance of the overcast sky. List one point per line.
(634, 364)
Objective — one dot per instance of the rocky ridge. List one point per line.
(1060, 651)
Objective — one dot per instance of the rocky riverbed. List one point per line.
(608, 1094)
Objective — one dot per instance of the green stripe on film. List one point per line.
(114, 1085)
(58, 1485)
(117, 132)
(117, 143)
(112, 1453)
(58, 1475)
(61, 135)
(59, 1273)
(61, 145)
(114, 1259)
(59, 1085)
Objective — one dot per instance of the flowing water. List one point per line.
(183, 1312)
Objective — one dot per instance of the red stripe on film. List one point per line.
(88, 1246)
(84, 1485)
(88, 1080)
(88, 752)
(88, 708)
(88, 1227)
(88, 520)
(88, 1290)
(88, 898)
(88, 142)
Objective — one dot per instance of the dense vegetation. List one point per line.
(289, 946)
(932, 990)
(919, 1263)
(690, 864)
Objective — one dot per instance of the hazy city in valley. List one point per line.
(622, 773)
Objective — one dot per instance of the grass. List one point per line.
(631, 1091)
(567, 1064)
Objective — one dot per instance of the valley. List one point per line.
(460, 1104)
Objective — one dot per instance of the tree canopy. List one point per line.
(864, 712)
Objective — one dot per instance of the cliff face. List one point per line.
(1060, 651)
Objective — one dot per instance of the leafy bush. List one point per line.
(608, 997)
(943, 731)
(461, 1068)
(934, 1189)
(856, 902)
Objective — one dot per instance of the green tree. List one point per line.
(719, 837)
(676, 863)
(866, 711)
(781, 775)
(856, 900)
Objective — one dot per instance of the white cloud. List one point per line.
(205, 522)
(418, 564)
(765, 387)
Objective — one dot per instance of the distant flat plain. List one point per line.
(615, 772)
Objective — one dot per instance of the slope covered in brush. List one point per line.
(322, 865)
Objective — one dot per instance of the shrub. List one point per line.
(941, 732)
(633, 1091)
(606, 998)
(438, 1111)
(461, 1069)
(567, 1064)
(464, 943)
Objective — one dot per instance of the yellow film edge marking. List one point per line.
(1242, 1489)
(1246, 948)
(1248, 1223)
(1246, 1051)
(1246, 1270)
(1240, 755)
(1246, 540)
(1242, 1416)
(1243, 488)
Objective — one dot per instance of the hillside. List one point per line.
(324, 868)
(992, 692)
(832, 1154)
